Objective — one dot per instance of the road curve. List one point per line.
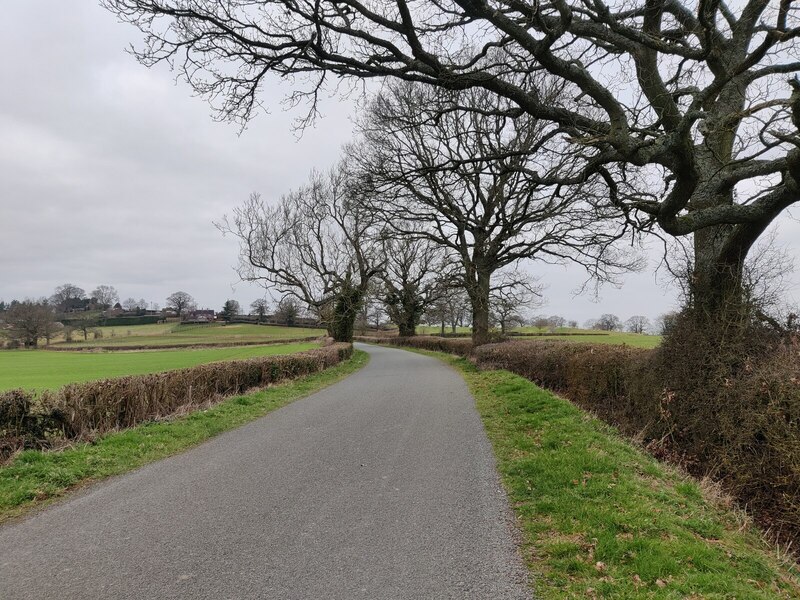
(382, 486)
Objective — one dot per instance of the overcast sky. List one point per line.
(110, 173)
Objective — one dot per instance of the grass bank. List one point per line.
(36, 369)
(34, 478)
(602, 519)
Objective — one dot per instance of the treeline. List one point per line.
(70, 309)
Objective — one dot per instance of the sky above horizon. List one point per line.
(112, 173)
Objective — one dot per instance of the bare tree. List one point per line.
(180, 302)
(638, 324)
(105, 296)
(437, 313)
(414, 276)
(260, 307)
(28, 321)
(317, 244)
(287, 311)
(85, 324)
(457, 304)
(443, 166)
(509, 299)
(693, 94)
(67, 296)
(607, 322)
(131, 304)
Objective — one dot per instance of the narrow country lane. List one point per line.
(382, 486)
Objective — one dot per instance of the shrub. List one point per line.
(80, 411)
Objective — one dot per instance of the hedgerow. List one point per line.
(81, 411)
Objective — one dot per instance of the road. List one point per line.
(382, 486)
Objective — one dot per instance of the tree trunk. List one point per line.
(407, 327)
(345, 311)
(716, 291)
(479, 296)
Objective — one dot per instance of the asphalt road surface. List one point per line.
(382, 486)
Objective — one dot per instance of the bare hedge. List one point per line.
(459, 346)
(83, 410)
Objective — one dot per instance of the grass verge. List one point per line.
(600, 518)
(35, 478)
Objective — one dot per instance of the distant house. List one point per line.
(200, 316)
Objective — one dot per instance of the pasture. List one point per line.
(177, 334)
(40, 370)
(637, 340)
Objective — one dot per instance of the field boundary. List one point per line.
(117, 347)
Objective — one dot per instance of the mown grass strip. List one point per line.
(34, 477)
(600, 518)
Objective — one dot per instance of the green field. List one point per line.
(39, 369)
(637, 340)
(176, 334)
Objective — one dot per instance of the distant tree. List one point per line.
(411, 279)
(105, 295)
(230, 309)
(557, 321)
(67, 296)
(318, 244)
(637, 324)
(85, 325)
(458, 306)
(287, 311)
(131, 304)
(180, 302)
(665, 322)
(437, 313)
(510, 298)
(541, 322)
(3, 306)
(259, 307)
(28, 321)
(572, 324)
(608, 322)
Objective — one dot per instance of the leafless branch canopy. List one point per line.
(694, 92)
(312, 244)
